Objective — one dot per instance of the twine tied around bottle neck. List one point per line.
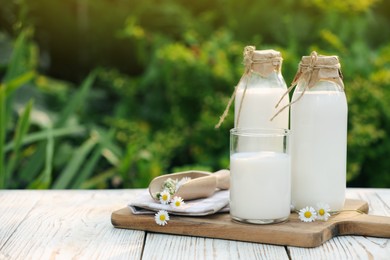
(248, 58)
(312, 69)
(262, 63)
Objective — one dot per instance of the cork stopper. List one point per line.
(263, 62)
(321, 60)
(266, 54)
(315, 67)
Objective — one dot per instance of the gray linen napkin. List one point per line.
(218, 202)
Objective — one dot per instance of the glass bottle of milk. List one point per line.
(259, 90)
(318, 133)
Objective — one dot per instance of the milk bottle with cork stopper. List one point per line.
(260, 174)
(318, 133)
(259, 90)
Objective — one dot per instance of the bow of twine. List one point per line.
(306, 74)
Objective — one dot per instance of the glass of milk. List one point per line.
(260, 175)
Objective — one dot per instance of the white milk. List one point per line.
(260, 186)
(318, 143)
(259, 107)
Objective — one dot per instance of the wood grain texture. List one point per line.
(161, 246)
(13, 209)
(73, 225)
(76, 225)
(293, 232)
(354, 247)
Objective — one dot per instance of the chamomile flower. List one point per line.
(165, 197)
(169, 185)
(161, 217)
(307, 214)
(323, 210)
(177, 202)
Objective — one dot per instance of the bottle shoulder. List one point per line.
(322, 86)
(254, 80)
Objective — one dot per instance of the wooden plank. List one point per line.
(14, 207)
(353, 247)
(293, 232)
(74, 224)
(162, 246)
(378, 200)
(335, 248)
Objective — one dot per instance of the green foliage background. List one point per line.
(109, 94)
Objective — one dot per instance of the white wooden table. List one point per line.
(75, 224)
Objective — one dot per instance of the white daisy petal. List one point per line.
(177, 202)
(165, 197)
(161, 217)
(307, 214)
(323, 210)
(183, 180)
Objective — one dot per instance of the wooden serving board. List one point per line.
(291, 233)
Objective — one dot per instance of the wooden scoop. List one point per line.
(202, 184)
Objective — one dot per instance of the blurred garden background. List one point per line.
(111, 93)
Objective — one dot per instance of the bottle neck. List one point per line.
(264, 68)
(254, 79)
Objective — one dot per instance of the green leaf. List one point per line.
(76, 102)
(88, 168)
(49, 157)
(32, 168)
(106, 149)
(42, 135)
(74, 165)
(111, 151)
(21, 130)
(17, 64)
(16, 83)
(44, 179)
(99, 180)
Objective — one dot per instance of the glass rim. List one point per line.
(265, 132)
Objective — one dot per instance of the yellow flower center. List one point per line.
(307, 214)
(162, 217)
(165, 197)
(321, 212)
(177, 203)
